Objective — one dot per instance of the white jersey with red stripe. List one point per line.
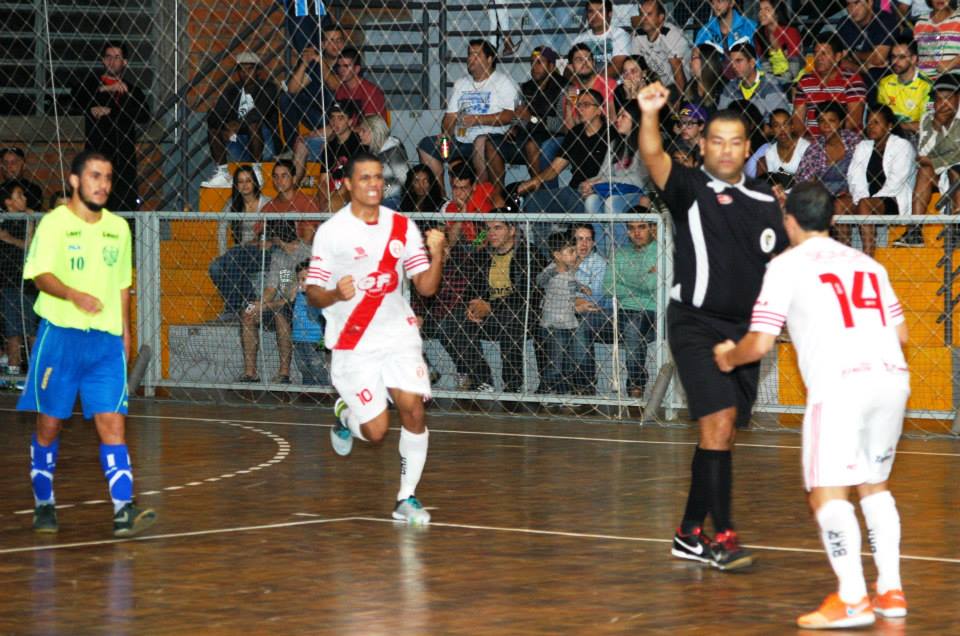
(377, 256)
(840, 308)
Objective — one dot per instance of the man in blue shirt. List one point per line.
(726, 27)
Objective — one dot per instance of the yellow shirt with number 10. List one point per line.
(93, 258)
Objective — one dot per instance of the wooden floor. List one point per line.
(541, 526)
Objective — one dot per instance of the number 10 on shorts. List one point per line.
(365, 396)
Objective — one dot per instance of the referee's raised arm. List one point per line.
(651, 99)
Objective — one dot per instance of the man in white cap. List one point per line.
(245, 107)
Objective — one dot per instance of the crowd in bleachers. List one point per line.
(863, 101)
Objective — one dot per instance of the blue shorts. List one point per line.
(65, 362)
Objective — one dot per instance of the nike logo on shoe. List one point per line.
(697, 549)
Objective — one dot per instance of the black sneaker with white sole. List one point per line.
(131, 520)
(693, 547)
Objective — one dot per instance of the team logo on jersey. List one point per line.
(396, 248)
(73, 248)
(110, 255)
(378, 283)
(768, 240)
(724, 199)
(360, 253)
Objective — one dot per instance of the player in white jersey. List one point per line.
(360, 256)
(848, 329)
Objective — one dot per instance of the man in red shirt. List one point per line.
(354, 87)
(289, 199)
(469, 196)
(828, 83)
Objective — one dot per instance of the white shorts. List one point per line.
(850, 432)
(362, 378)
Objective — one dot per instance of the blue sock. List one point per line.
(115, 461)
(43, 461)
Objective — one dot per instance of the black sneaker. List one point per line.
(728, 554)
(913, 237)
(45, 519)
(132, 520)
(693, 547)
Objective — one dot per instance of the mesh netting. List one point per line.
(523, 108)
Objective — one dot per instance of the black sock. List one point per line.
(698, 500)
(720, 480)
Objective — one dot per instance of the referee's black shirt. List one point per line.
(724, 237)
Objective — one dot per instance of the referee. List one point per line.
(726, 230)
(80, 260)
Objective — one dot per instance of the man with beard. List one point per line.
(906, 91)
(114, 109)
(726, 229)
(80, 260)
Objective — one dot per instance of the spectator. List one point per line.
(496, 312)
(593, 308)
(631, 279)
(376, 138)
(867, 35)
(634, 75)
(442, 315)
(312, 84)
(335, 143)
(782, 158)
(535, 140)
(690, 122)
(827, 160)
(290, 199)
(558, 317)
(246, 107)
(469, 196)
(913, 10)
(274, 309)
(778, 44)
(233, 271)
(307, 334)
(726, 27)
(609, 44)
(662, 44)
(114, 109)
(584, 78)
(882, 172)
(303, 30)
(584, 149)
(938, 39)
(354, 87)
(12, 161)
(906, 91)
(421, 192)
(828, 82)
(706, 76)
(58, 198)
(479, 109)
(752, 85)
(621, 183)
(18, 296)
(939, 146)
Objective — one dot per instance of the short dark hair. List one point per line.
(286, 163)
(6, 191)
(580, 46)
(746, 48)
(582, 226)
(283, 231)
(14, 150)
(329, 27)
(360, 157)
(811, 205)
(834, 107)
(463, 172)
(607, 5)
(780, 111)
(832, 40)
(352, 54)
(560, 240)
(80, 161)
(486, 47)
(727, 114)
(909, 42)
(115, 44)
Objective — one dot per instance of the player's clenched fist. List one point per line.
(436, 242)
(719, 355)
(345, 288)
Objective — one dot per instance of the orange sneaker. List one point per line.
(891, 604)
(834, 614)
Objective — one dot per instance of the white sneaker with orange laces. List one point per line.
(835, 614)
(890, 604)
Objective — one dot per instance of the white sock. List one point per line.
(840, 534)
(413, 456)
(351, 421)
(883, 525)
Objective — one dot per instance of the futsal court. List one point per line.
(542, 525)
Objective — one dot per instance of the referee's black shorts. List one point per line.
(692, 335)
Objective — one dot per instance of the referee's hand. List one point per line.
(720, 355)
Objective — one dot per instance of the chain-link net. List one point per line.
(525, 111)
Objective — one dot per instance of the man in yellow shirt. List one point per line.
(906, 91)
(80, 260)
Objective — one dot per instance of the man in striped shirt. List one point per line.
(828, 82)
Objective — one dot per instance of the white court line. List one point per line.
(458, 526)
(572, 438)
